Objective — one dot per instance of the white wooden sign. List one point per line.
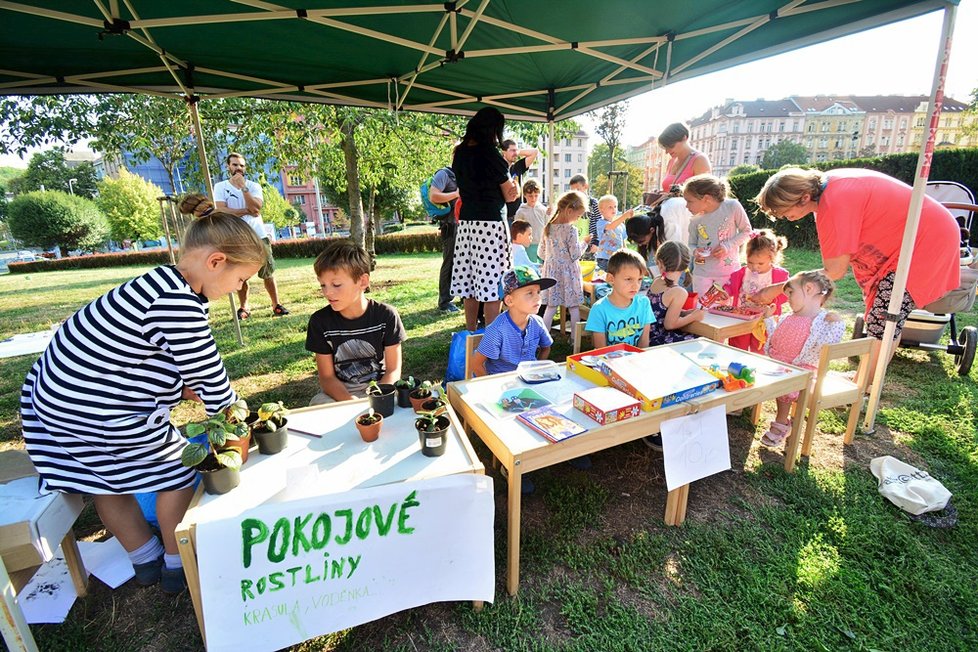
(695, 446)
(283, 573)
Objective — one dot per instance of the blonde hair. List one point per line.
(816, 277)
(785, 188)
(765, 241)
(672, 256)
(608, 199)
(343, 254)
(570, 200)
(707, 185)
(228, 234)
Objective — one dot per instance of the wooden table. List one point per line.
(346, 463)
(720, 328)
(521, 450)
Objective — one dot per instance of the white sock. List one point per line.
(172, 561)
(149, 551)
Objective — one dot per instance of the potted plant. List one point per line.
(269, 428)
(381, 398)
(432, 433)
(422, 393)
(404, 387)
(237, 413)
(436, 404)
(369, 424)
(217, 462)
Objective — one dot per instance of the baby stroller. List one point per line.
(924, 328)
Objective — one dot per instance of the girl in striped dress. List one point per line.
(96, 405)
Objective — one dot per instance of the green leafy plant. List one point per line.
(405, 383)
(374, 389)
(237, 412)
(271, 416)
(369, 417)
(428, 421)
(434, 404)
(425, 390)
(219, 431)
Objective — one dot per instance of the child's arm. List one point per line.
(643, 339)
(479, 364)
(332, 386)
(618, 221)
(600, 339)
(674, 298)
(543, 352)
(392, 364)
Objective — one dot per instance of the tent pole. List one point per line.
(913, 214)
(202, 155)
(550, 163)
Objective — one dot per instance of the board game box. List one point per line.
(551, 424)
(607, 405)
(660, 377)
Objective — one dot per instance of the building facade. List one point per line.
(570, 159)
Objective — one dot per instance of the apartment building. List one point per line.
(570, 159)
(833, 127)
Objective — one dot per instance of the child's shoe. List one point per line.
(582, 463)
(654, 442)
(776, 434)
(173, 580)
(149, 573)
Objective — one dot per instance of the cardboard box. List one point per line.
(607, 405)
(594, 374)
(659, 377)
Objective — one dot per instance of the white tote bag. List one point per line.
(907, 487)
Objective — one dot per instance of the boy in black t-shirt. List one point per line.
(355, 339)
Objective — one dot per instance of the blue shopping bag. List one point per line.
(456, 355)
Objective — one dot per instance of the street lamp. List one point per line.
(71, 185)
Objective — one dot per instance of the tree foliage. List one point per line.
(609, 125)
(130, 205)
(743, 168)
(629, 193)
(52, 218)
(50, 171)
(784, 153)
(275, 210)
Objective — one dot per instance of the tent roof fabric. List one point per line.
(534, 60)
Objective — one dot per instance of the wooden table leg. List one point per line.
(76, 567)
(188, 555)
(16, 632)
(676, 505)
(513, 530)
(794, 439)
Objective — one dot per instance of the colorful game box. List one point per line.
(551, 424)
(660, 377)
(607, 405)
(589, 365)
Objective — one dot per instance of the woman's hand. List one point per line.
(718, 251)
(189, 394)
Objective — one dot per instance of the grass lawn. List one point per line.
(814, 560)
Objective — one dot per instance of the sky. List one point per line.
(896, 59)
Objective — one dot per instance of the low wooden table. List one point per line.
(521, 450)
(346, 463)
(720, 328)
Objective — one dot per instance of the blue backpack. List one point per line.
(435, 210)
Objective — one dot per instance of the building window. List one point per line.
(733, 159)
(825, 127)
(567, 173)
(903, 123)
(580, 143)
(300, 199)
(567, 158)
(567, 142)
(580, 158)
(884, 140)
(900, 140)
(888, 123)
(296, 180)
(736, 127)
(811, 127)
(869, 139)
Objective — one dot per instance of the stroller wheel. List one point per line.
(968, 339)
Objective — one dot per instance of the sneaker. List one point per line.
(449, 308)
(173, 580)
(149, 573)
(654, 442)
(582, 463)
(279, 310)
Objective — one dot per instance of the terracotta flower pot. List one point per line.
(241, 445)
(370, 431)
(383, 402)
(273, 442)
(416, 400)
(433, 442)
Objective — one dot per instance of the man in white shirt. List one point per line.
(241, 197)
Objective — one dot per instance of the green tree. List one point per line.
(744, 168)
(276, 210)
(56, 219)
(8, 174)
(609, 125)
(129, 204)
(627, 187)
(50, 171)
(784, 153)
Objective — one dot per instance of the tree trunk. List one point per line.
(370, 227)
(351, 156)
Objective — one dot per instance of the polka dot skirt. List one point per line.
(482, 255)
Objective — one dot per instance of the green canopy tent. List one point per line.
(541, 60)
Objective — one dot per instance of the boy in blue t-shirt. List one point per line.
(518, 334)
(622, 317)
(611, 230)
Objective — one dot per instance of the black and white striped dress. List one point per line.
(96, 405)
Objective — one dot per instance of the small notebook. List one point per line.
(551, 424)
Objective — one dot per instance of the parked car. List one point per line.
(24, 256)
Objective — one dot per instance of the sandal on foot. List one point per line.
(279, 310)
(776, 434)
(243, 314)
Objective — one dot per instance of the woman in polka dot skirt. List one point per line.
(482, 245)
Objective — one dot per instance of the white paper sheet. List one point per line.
(48, 597)
(25, 343)
(695, 446)
(108, 561)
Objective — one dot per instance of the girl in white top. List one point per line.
(717, 232)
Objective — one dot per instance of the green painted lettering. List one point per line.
(320, 531)
(403, 516)
(246, 591)
(383, 527)
(279, 540)
(363, 523)
(354, 562)
(253, 531)
(348, 530)
(298, 536)
(337, 569)
(275, 580)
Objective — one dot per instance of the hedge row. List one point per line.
(959, 165)
(406, 243)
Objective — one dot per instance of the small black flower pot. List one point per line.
(221, 481)
(404, 397)
(433, 442)
(383, 402)
(436, 405)
(270, 443)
